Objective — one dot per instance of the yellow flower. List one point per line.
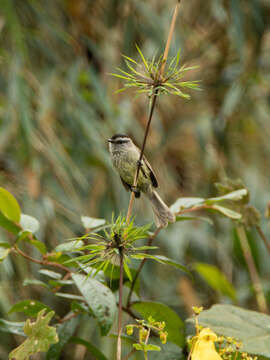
(204, 348)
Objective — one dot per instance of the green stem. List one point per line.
(118, 353)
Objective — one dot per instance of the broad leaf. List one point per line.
(29, 307)
(29, 223)
(69, 246)
(9, 206)
(39, 337)
(250, 327)
(233, 196)
(227, 212)
(90, 347)
(99, 298)
(91, 223)
(161, 312)
(186, 203)
(9, 225)
(5, 249)
(70, 296)
(216, 279)
(37, 282)
(65, 332)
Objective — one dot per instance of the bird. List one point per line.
(125, 156)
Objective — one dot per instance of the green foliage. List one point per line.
(29, 307)
(9, 206)
(146, 77)
(216, 279)
(100, 300)
(250, 327)
(161, 312)
(39, 337)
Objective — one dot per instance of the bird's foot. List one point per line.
(136, 191)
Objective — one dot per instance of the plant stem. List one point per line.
(118, 353)
(257, 286)
(263, 237)
(149, 243)
(153, 104)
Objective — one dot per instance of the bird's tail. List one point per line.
(162, 213)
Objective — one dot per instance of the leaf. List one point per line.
(186, 203)
(9, 206)
(69, 246)
(127, 271)
(5, 249)
(233, 196)
(216, 279)
(12, 327)
(227, 212)
(90, 347)
(161, 259)
(40, 337)
(192, 218)
(29, 307)
(151, 347)
(65, 332)
(250, 327)
(142, 57)
(51, 274)
(9, 225)
(27, 282)
(36, 243)
(161, 312)
(29, 223)
(70, 296)
(91, 223)
(99, 298)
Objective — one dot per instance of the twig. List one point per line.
(119, 332)
(263, 237)
(68, 317)
(41, 262)
(257, 286)
(153, 104)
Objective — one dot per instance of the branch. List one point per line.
(256, 282)
(153, 104)
(263, 237)
(119, 332)
(41, 262)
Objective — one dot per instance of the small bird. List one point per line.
(125, 156)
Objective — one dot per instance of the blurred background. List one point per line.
(58, 107)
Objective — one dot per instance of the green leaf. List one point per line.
(5, 249)
(27, 282)
(51, 274)
(99, 298)
(65, 332)
(127, 271)
(250, 327)
(9, 225)
(40, 337)
(151, 347)
(9, 206)
(138, 347)
(186, 203)
(91, 223)
(70, 296)
(161, 259)
(69, 246)
(29, 307)
(29, 223)
(12, 327)
(233, 196)
(90, 347)
(192, 218)
(227, 212)
(36, 243)
(216, 279)
(142, 57)
(161, 312)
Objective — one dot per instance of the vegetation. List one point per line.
(72, 274)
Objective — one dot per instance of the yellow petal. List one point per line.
(204, 348)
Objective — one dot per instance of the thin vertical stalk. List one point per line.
(256, 282)
(119, 332)
(264, 238)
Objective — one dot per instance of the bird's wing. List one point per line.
(152, 174)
